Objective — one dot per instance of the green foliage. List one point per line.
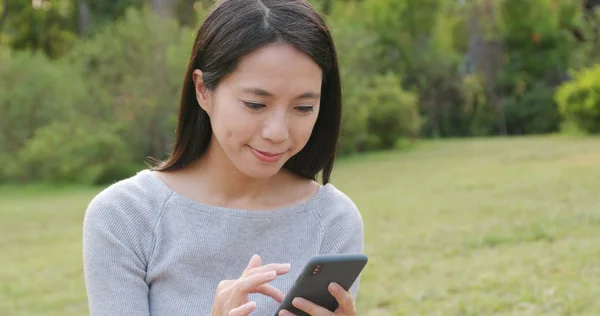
(377, 111)
(91, 150)
(533, 111)
(124, 83)
(402, 29)
(109, 11)
(475, 115)
(409, 69)
(353, 43)
(393, 112)
(33, 93)
(115, 172)
(579, 100)
(536, 34)
(42, 26)
(355, 114)
(421, 42)
(140, 63)
(586, 52)
(536, 39)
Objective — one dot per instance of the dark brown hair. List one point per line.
(234, 28)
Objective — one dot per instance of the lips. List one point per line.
(266, 156)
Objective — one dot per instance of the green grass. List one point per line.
(461, 227)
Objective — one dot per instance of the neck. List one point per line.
(222, 183)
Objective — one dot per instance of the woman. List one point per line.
(226, 224)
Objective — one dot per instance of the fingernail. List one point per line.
(334, 287)
(298, 302)
(287, 266)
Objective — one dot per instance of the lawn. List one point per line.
(506, 226)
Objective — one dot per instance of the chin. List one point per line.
(260, 172)
(253, 167)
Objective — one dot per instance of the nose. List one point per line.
(275, 128)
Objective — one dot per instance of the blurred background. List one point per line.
(469, 142)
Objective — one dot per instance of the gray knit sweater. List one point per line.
(148, 250)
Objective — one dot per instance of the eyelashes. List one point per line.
(306, 108)
(258, 106)
(254, 106)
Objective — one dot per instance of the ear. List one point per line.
(202, 93)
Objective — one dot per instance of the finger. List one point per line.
(280, 268)
(269, 290)
(243, 310)
(310, 307)
(343, 297)
(225, 284)
(251, 283)
(285, 312)
(255, 261)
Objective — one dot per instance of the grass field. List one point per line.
(461, 227)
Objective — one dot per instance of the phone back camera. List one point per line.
(318, 268)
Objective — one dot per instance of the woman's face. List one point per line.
(264, 112)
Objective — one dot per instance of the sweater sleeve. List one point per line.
(117, 241)
(344, 230)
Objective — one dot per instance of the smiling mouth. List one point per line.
(266, 156)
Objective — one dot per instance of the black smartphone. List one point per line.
(318, 273)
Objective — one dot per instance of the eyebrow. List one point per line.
(264, 93)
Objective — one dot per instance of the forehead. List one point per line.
(280, 69)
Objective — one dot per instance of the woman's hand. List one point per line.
(231, 298)
(343, 297)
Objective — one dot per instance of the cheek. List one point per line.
(303, 130)
(236, 128)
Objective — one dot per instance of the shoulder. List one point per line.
(138, 199)
(119, 226)
(335, 206)
(341, 222)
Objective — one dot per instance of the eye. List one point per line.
(305, 108)
(254, 106)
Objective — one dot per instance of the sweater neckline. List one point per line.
(299, 207)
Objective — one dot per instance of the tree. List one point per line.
(41, 25)
(486, 52)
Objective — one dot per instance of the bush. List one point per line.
(579, 100)
(532, 112)
(353, 129)
(475, 115)
(140, 62)
(71, 152)
(393, 113)
(35, 92)
(353, 43)
(116, 172)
